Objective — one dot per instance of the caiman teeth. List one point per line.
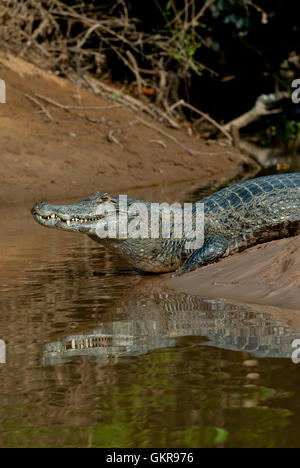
(54, 216)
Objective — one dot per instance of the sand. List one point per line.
(267, 274)
(73, 156)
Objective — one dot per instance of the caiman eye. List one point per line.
(104, 199)
(98, 200)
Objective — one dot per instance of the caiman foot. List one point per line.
(213, 249)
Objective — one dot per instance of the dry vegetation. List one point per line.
(74, 41)
(158, 60)
(78, 37)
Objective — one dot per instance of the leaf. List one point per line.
(222, 436)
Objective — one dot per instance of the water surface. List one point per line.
(98, 356)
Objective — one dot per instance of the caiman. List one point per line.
(237, 217)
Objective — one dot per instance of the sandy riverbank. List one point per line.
(267, 274)
(71, 155)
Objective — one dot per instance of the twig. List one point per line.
(236, 137)
(260, 109)
(111, 135)
(36, 33)
(51, 101)
(112, 139)
(43, 108)
(195, 20)
(159, 142)
(65, 107)
(154, 111)
(170, 137)
(205, 116)
(135, 69)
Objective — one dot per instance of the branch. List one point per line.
(43, 109)
(170, 137)
(259, 110)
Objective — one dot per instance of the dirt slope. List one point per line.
(266, 274)
(71, 155)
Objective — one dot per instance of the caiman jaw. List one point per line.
(50, 219)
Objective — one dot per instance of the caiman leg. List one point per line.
(214, 248)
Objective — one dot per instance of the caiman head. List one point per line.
(80, 217)
(104, 219)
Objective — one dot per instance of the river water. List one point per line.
(98, 356)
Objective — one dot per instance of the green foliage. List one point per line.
(119, 93)
(184, 48)
(166, 13)
(283, 129)
(183, 43)
(221, 437)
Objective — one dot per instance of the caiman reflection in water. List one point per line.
(153, 319)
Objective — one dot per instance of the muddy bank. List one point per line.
(267, 274)
(71, 155)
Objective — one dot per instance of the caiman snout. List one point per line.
(42, 208)
(80, 217)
